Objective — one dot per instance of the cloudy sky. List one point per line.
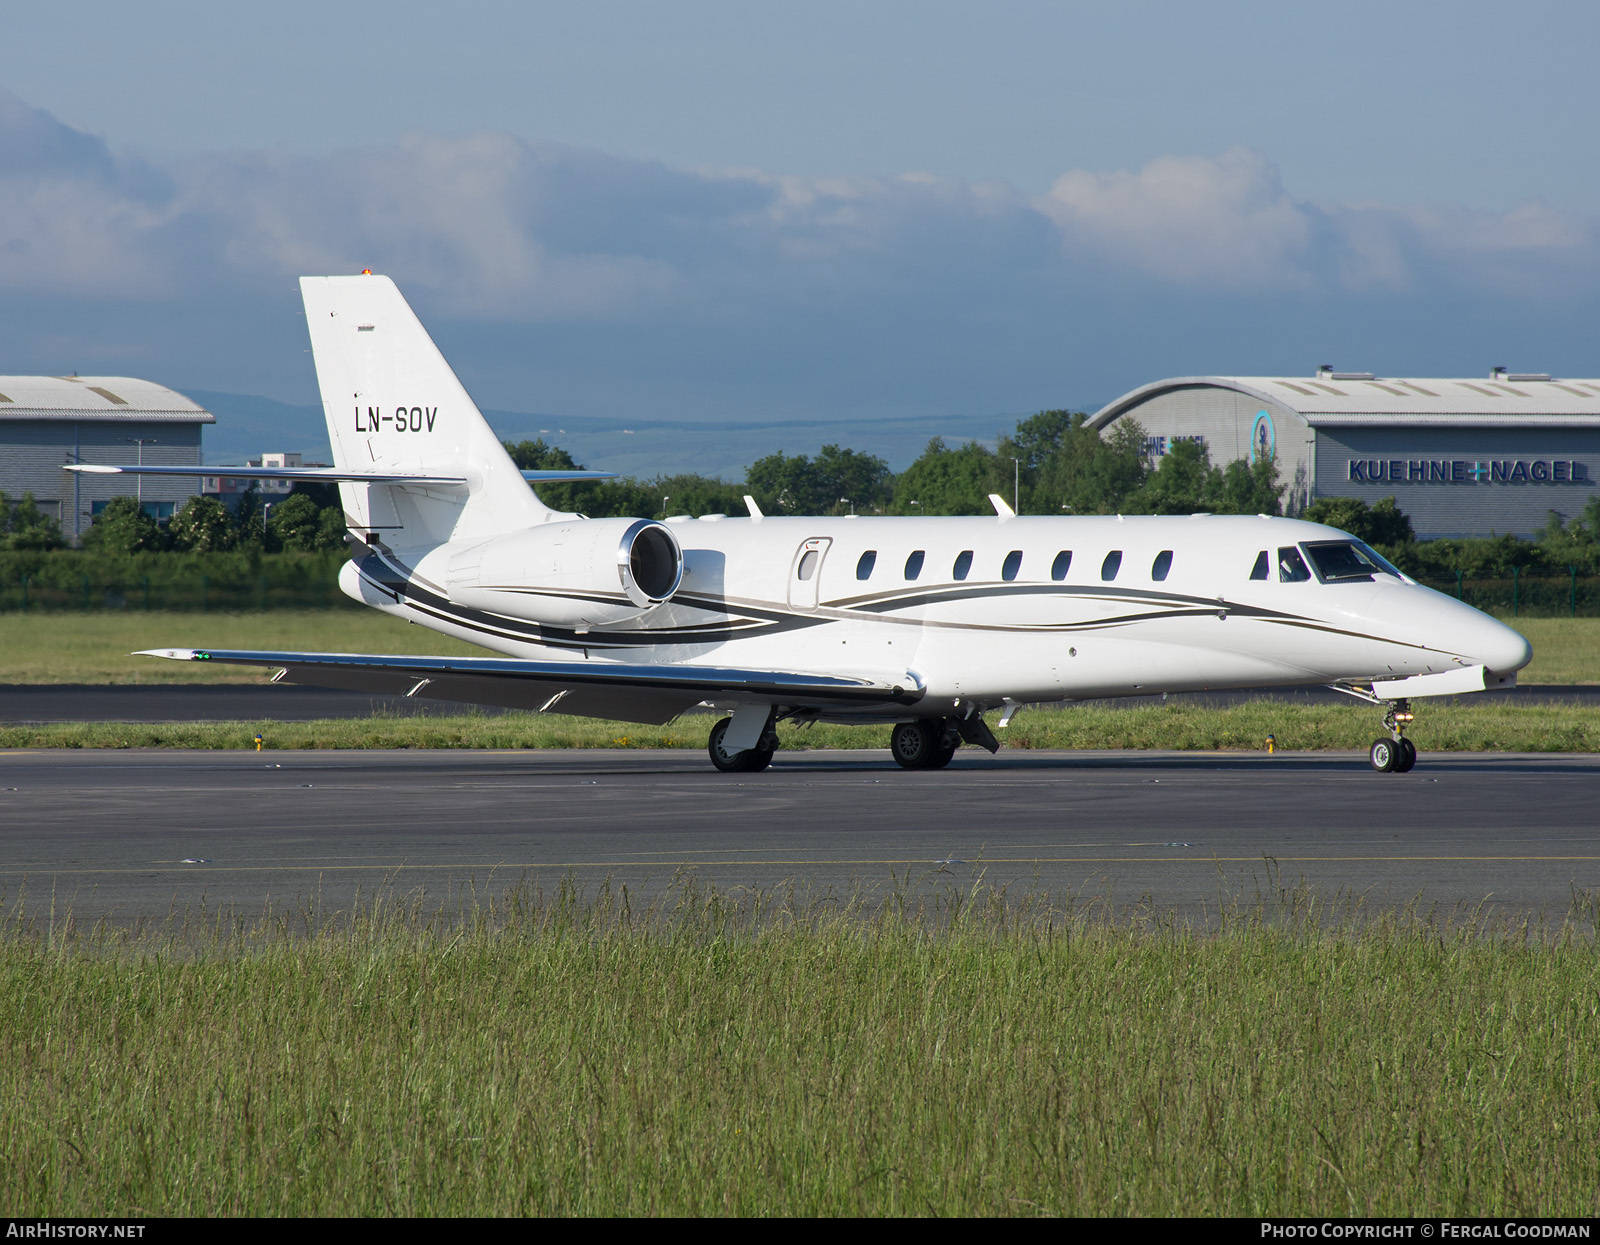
(745, 210)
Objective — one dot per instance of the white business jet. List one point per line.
(926, 623)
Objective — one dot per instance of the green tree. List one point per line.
(949, 481)
(538, 456)
(1382, 523)
(836, 481)
(1244, 487)
(1182, 482)
(1069, 468)
(202, 526)
(124, 527)
(24, 527)
(296, 525)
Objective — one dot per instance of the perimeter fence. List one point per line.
(223, 582)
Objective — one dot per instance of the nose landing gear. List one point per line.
(1397, 754)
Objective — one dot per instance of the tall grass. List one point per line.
(1484, 725)
(774, 1053)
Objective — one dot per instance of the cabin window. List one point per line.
(1291, 566)
(1162, 565)
(864, 567)
(808, 564)
(914, 565)
(1262, 567)
(963, 566)
(1012, 564)
(1058, 568)
(1112, 564)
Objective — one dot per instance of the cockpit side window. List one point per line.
(1262, 567)
(1346, 561)
(1291, 566)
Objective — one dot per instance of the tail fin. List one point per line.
(392, 403)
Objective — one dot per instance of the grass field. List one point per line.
(97, 647)
(769, 1054)
(1466, 727)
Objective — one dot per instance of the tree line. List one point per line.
(1051, 463)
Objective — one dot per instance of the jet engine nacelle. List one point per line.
(586, 572)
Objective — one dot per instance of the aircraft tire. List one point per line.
(916, 745)
(1385, 755)
(747, 762)
(1407, 757)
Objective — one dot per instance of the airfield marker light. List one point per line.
(1272, 744)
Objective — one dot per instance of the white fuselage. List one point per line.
(991, 614)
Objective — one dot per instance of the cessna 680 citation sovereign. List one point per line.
(928, 623)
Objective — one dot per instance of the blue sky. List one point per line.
(717, 210)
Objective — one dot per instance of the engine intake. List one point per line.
(650, 563)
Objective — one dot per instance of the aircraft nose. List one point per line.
(1502, 649)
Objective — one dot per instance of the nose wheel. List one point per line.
(1397, 754)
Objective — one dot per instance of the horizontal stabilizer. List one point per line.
(625, 693)
(325, 475)
(330, 475)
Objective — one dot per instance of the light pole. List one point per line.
(849, 503)
(138, 488)
(664, 500)
(1016, 486)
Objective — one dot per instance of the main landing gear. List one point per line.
(927, 743)
(1397, 754)
(749, 761)
(930, 743)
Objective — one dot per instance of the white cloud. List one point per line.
(923, 279)
(495, 227)
(1187, 220)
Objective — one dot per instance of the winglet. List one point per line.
(1000, 507)
(755, 510)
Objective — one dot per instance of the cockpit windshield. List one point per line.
(1347, 561)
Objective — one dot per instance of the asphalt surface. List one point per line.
(130, 835)
(62, 702)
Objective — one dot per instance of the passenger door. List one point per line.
(805, 572)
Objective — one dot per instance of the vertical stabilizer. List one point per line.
(393, 403)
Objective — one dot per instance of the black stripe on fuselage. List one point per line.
(744, 618)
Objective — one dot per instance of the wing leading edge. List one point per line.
(625, 693)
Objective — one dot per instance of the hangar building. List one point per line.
(47, 422)
(1461, 457)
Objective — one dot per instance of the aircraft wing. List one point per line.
(601, 689)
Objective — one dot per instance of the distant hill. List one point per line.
(248, 425)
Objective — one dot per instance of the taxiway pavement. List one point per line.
(131, 834)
